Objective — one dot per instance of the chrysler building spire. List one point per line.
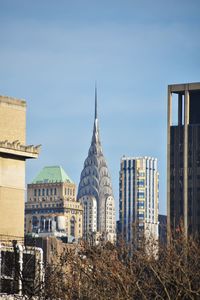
(95, 115)
(95, 190)
(96, 137)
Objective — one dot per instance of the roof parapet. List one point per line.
(16, 148)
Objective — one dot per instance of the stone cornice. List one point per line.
(16, 148)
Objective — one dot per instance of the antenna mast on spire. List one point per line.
(95, 115)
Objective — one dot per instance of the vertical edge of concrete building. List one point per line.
(183, 160)
(13, 154)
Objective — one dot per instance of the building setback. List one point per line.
(13, 154)
(51, 207)
(183, 160)
(138, 199)
(95, 191)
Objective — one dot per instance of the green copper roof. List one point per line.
(52, 175)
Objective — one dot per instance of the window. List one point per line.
(35, 192)
(140, 216)
(55, 191)
(39, 192)
(141, 174)
(72, 226)
(140, 194)
(43, 192)
(34, 221)
(141, 183)
(47, 192)
(51, 191)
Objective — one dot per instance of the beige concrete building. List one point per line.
(51, 208)
(13, 153)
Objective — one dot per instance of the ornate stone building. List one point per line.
(95, 191)
(51, 207)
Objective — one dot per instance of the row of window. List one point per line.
(45, 192)
(69, 192)
(47, 205)
(45, 224)
(52, 191)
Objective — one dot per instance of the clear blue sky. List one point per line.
(51, 53)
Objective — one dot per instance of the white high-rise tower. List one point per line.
(138, 199)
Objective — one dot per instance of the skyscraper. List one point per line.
(95, 190)
(183, 160)
(138, 199)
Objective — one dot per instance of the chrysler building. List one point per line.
(95, 191)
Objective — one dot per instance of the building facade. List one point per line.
(138, 199)
(21, 271)
(51, 207)
(183, 160)
(162, 229)
(95, 191)
(13, 154)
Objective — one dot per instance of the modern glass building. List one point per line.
(183, 159)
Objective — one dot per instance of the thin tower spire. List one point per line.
(95, 115)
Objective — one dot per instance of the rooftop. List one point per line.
(12, 101)
(181, 87)
(52, 174)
